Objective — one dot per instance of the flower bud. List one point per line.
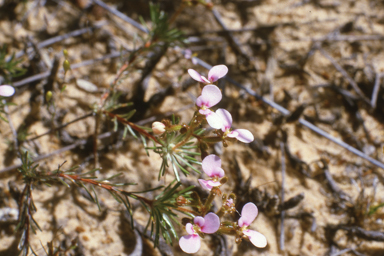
(48, 96)
(65, 52)
(158, 128)
(66, 66)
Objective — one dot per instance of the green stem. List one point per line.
(214, 191)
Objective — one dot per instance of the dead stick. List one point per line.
(232, 40)
(376, 88)
(74, 66)
(121, 15)
(60, 127)
(345, 74)
(60, 38)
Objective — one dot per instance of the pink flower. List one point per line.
(210, 96)
(212, 167)
(248, 215)
(188, 55)
(214, 74)
(208, 225)
(6, 90)
(242, 135)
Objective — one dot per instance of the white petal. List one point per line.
(256, 238)
(248, 214)
(190, 243)
(244, 135)
(217, 72)
(195, 75)
(214, 120)
(6, 90)
(225, 117)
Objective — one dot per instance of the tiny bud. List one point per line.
(48, 96)
(158, 128)
(232, 196)
(185, 221)
(66, 66)
(223, 180)
(65, 52)
(184, 129)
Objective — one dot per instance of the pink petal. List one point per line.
(233, 134)
(212, 166)
(244, 135)
(212, 223)
(213, 120)
(190, 243)
(195, 75)
(248, 214)
(205, 111)
(205, 80)
(187, 53)
(210, 96)
(6, 90)
(189, 229)
(209, 184)
(225, 117)
(256, 238)
(217, 72)
(199, 221)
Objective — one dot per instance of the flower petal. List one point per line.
(256, 238)
(217, 72)
(233, 134)
(189, 229)
(7, 90)
(226, 118)
(248, 214)
(213, 120)
(210, 96)
(210, 164)
(209, 184)
(212, 223)
(190, 243)
(205, 184)
(244, 135)
(199, 221)
(205, 111)
(195, 75)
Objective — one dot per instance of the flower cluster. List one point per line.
(211, 96)
(211, 165)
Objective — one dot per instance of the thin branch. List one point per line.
(345, 74)
(60, 38)
(56, 152)
(232, 40)
(74, 66)
(121, 15)
(60, 127)
(376, 88)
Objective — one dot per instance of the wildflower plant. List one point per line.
(183, 147)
